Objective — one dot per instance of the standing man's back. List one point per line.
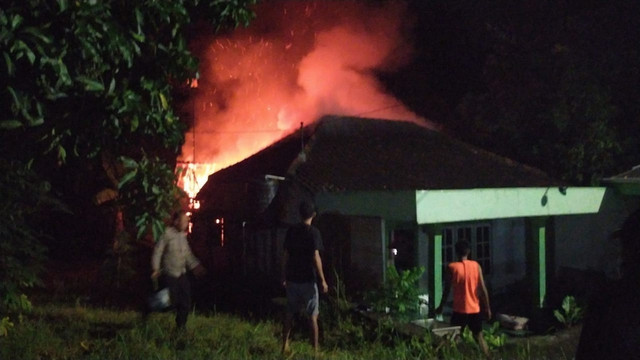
(301, 242)
(465, 278)
(464, 281)
(301, 264)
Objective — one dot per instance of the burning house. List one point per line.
(389, 192)
(297, 61)
(392, 192)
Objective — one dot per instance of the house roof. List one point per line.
(631, 176)
(627, 183)
(357, 154)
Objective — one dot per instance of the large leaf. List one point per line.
(127, 178)
(63, 5)
(90, 84)
(164, 102)
(10, 124)
(38, 34)
(128, 162)
(9, 63)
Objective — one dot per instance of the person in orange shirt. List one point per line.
(469, 290)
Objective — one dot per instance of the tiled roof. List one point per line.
(356, 154)
(273, 160)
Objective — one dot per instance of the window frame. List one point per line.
(477, 233)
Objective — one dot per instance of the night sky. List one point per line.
(546, 82)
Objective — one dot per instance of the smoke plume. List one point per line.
(298, 61)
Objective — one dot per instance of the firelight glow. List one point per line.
(193, 177)
(298, 61)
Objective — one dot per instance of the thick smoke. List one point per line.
(297, 61)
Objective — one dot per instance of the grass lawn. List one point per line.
(78, 332)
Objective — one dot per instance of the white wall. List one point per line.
(581, 242)
(584, 242)
(508, 257)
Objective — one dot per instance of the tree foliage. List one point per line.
(550, 84)
(95, 79)
(544, 99)
(85, 77)
(23, 195)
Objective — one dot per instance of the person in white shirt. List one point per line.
(172, 258)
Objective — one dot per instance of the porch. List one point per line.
(427, 214)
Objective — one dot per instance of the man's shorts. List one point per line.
(302, 297)
(473, 321)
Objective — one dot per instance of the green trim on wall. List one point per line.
(443, 206)
(435, 265)
(536, 258)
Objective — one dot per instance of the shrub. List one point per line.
(22, 197)
(399, 293)
(494, 337)
(5, 325)
(570, 313)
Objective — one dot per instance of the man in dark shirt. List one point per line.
(301, 264)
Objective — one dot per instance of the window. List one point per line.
(479, 238)
(483, 253)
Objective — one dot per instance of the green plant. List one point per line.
(399, 294)
(22, 197)
(570, 313)
(343, 327)
(423, 348)
(340, 298)
(5, 325)
(337, 306)
(524, 351)
(467, 336)
(150, 189)
(494, 337)
(119, 266)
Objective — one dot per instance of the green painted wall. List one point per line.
(442, 206)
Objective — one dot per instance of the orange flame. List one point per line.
(297, 62)
(193, 177)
